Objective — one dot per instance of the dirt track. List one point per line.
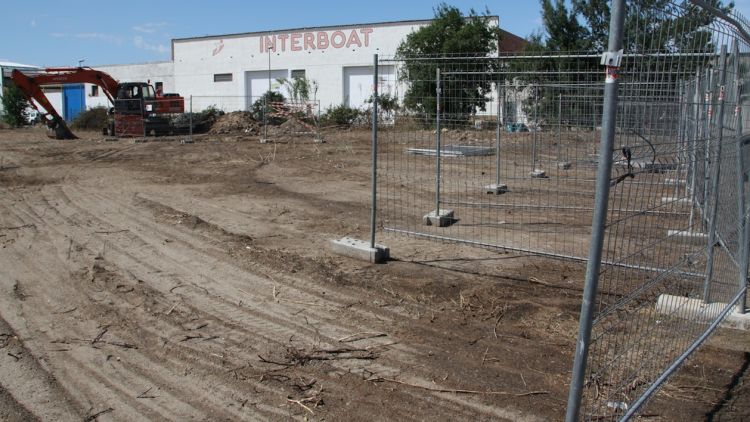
(164, 281)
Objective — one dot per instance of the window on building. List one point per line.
(159, 86)
(94, 91)
(222, 77)
(298, 74)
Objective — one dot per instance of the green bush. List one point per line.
(15, 107)
(202, 121)
(93, 118)
(342, 115)
(259, 111)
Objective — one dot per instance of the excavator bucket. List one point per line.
(61, 129)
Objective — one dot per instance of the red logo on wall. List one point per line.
(218, 48)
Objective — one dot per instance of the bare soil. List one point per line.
(170, 281)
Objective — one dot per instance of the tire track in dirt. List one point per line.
(149, 366)
(83, 220)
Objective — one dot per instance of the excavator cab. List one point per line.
(134, 97)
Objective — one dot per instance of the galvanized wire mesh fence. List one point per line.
(507, 152)
(643, 176)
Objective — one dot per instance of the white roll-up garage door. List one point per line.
(358, 84)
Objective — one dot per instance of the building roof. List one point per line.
(311, 28)
(4, 63)
(511, 42)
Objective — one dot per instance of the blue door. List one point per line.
(74, 101)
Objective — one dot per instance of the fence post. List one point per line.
(611, 60)
(374, 205)
(498, 129)
(694, 149)
(437, 143)
(741, 207)
(191, 119)
(706, 132)
(559, 128)
(715, 176)
(536, 129)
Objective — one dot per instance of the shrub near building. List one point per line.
(15, 107)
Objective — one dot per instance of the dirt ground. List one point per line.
(170, 281)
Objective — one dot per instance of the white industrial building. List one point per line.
(233, 70)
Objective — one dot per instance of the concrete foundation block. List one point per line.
(687, 234)
(564, 165)
(672, 199)
(496, 189)
(264, 141)
(538, 174)
(440, 218)
(687, 308)
(359, 249)
(674, 181)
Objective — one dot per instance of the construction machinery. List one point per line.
(131, 101)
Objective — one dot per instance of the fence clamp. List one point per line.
(612, 58)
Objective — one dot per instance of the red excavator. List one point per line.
(132, 101)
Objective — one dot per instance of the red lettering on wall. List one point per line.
(294, 42)
(283, 38)
(353, 40)
(341, 39)
(323, 40)
(309, 41)
(366, 32)
(268, 43)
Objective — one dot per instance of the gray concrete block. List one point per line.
(687, 234)
(496, 189)
(359, 249)
(538, 174)
(565, 165)
(440, 218)
(697, 309)
(676, 200)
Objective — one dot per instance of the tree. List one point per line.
(650, 25)
(449, 34)
(655, 28)
(15, 107)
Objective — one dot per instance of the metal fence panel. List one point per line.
(643, 177)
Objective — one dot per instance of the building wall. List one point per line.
(326, 55)
(141, 72)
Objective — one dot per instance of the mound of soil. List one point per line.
(235, 122)
(294, 125)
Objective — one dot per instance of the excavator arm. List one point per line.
(31, 87)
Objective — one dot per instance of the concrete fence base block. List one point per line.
(440, 218)
(496, 189)
(538, 174)
(674, 181)
(564, 165)
(687, 234)
(697, 309)
(264, 140)
(672, 199)
(359, 249)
